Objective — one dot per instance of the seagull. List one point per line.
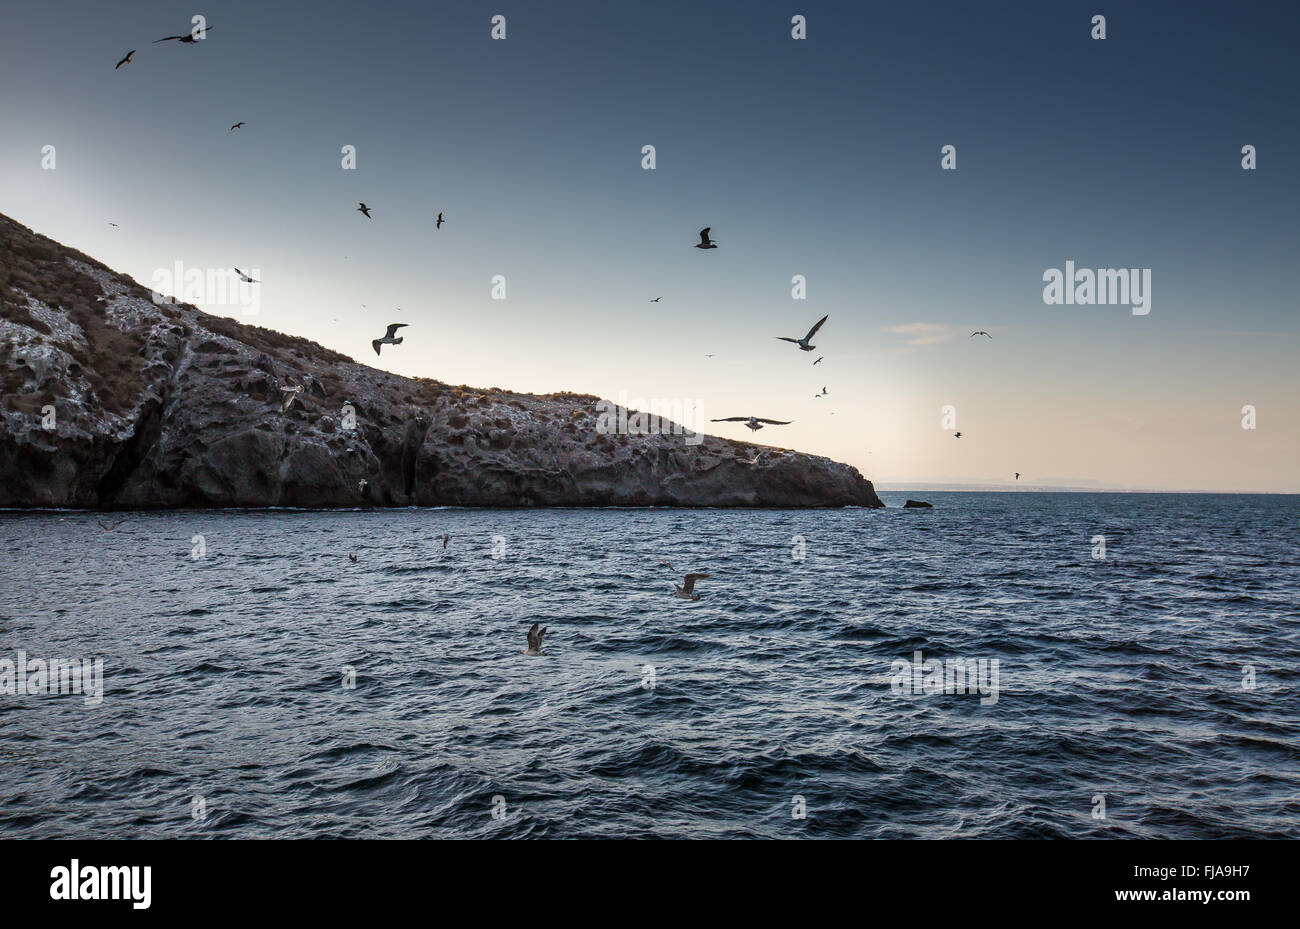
(1017, 475)
(290, 394)
(753, 422)
(687, 590)
(979, 332)
(805, 344)
(362, 208)
(109, 527)
(823, 393)
(705, 241)
(819, 360)
(124, 61)
(656, 299)
(445, 539)
(957, 436)
(352, 558)
(535, 641)
(112, 224)
(388, 337)
(709, 355)
(362, 485)
(245, 278)
(747, 461)
(438, 223)
(235, 126)
(188, 38)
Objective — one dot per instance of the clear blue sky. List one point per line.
(817, 157)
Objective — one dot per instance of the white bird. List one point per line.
(805, 344)
(388, 338)
(245, 278)
(753, 422)
(290, 394)
(687, 590)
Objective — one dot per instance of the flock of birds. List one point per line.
(685, 590)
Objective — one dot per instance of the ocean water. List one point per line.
(1158, 685)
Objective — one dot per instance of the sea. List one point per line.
(1003, 665)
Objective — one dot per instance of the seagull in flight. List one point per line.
(236, 126)
(753, 422)
(819, 360)
(245, 278)
(805, 344)
(388, 338)
(656, 299)
(352, 558)
(535, 641)
(438, 223)
(362, 208)
(1017, 475)
(687, 590)
(124, 61)
(705, 241)
(979, 332)
(188, 38)
(290, 395)
(112, 224)
(957, 435)
(109, 527)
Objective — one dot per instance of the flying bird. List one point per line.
(438, 223)
(388, 338)
(805, 344)
(109, 527)
(236, 126)
(352, 558)
(957, 436)
(1017, 475)
(362, 208)
(112, 224)
(753, 422)
(188, 38)
(535, 641)
(705, 241)
(124, 61)
(979, 332)
(290, 394)
(819, 360)
(245, 278)
(656, 299)
(687, 590)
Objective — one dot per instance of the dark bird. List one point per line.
(352, 558)
(753, 422)
(112, 224)
(705, 241)
(438, 223)
(687, 590)
(957, 436)
(245, 278)
(979, 332)
(188, 38)
(388, 338)
(823, 393)
(362, 208)
(656, 299)
(445, 539)
(235, 126)
(805, 344)
(124, 61)
(819, 360)
(1017, 475)
(535, 641)
(109, 527)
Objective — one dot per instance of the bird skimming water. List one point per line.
(535, 641)
(687, 589)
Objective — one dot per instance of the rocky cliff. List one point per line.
(109, 399)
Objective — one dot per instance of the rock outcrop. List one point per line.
(110, 399)
(916, 505)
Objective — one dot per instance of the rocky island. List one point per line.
(109, 398)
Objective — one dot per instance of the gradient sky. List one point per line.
(817, 157)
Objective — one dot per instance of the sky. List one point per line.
(818, 157)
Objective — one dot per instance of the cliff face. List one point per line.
(165, 406)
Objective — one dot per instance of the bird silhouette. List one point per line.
(438, 223)
(957, 435)
(535, 641)
(188, 38)
(124, 61)
(819, 360)
(979, 332)
(245, 278)
(362, 208)
(352, 558)
(753, 422)
(805, 344)
(705, 241)
(236, 126)
(388, 338)
(1017, 475)
(656, 299)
